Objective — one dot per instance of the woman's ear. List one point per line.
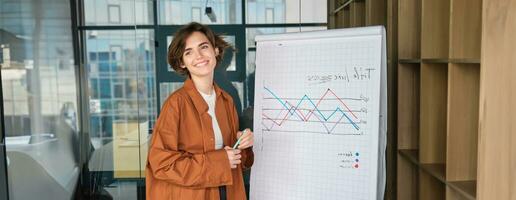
(216, 51)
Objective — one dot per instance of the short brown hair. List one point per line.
(177, 47)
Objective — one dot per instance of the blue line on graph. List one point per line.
(317, 109)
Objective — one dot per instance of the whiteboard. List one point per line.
(320, 115)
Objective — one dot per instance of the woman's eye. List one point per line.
(187, 53)
(204, 46)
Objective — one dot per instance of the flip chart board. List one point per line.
(320, 115)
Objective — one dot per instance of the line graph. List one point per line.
(319, 115)
(299, 115)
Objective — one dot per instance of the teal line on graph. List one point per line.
(292, 111)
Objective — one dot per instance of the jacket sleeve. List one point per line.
(247, 154)
(167, 163)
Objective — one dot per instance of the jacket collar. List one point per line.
(200, 105)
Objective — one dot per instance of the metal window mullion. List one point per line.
(4, 187)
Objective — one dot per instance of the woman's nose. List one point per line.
(197, 54)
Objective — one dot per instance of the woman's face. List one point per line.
(199, 56)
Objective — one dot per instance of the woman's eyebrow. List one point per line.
(190, 48)
(203, 43)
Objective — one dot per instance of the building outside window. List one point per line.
(114, 14)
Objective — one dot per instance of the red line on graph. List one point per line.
(322, 97)
(286, 115)
(306, 118)
(343, 103)
(311, 111)
(295, 109)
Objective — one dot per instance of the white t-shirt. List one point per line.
(210, 100)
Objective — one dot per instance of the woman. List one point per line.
(190, 156)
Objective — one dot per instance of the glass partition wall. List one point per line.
(39, 92)
(83, 83)
(119, 70)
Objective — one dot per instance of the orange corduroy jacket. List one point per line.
(182, 161)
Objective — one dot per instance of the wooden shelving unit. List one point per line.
(435, 23)
(454, 127)
(438, 98)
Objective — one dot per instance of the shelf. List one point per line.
(408, 106)
(467, 189)
(437, 171)
(465, 28)
(431, 187)
(409, 29)
(432, 138)
(435, 28)
(411, 155)
(408, 176)
(409, 61)
(445, 60)
(465, 61)
(435, 60)
(462, 130)
(434, 89)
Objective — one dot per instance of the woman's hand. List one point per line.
(233, 156)
(247, 140)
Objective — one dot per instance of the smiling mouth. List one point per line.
(200, 64)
